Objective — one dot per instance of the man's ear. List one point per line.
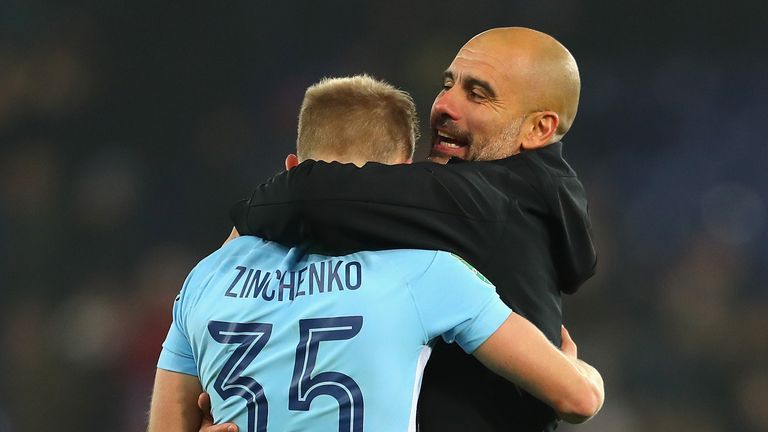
(542, 127)
(291, 161)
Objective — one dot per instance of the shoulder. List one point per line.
(418, 266)
(545, 171)
(408, 263)
(557, 178)
(238, 246)
(233, 250)
(449, 269)
(549, 160)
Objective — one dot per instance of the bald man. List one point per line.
(508, 90)
(517, 213)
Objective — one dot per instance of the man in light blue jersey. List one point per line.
(283, 339)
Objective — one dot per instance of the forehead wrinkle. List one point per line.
(464, 70)
(480, 56)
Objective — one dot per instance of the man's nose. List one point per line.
(446, 105)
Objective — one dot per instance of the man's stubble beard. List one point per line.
(499, 147)
(502, 146)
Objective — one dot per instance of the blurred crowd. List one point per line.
(128, 129)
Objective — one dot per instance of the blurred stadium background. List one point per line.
(127, 129)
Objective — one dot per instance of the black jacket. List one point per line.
(521, 221)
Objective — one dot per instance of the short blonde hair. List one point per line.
(357, 116)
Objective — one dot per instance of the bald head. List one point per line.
(507, 90)
(541, 70)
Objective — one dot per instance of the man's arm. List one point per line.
(179, 405)
(519, 352)
(174, 403)
(456, 302)
(343, 208)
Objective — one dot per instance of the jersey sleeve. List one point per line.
(176, 354)
(458, 303)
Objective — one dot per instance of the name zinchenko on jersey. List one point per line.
(315, 278)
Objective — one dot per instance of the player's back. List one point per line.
(288, 341)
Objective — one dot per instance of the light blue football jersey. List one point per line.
(288, 341)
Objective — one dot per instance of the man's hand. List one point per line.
(521, 353)
(568, 346)
(204, 402)
(233, 235)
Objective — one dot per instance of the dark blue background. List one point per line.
(128, 128)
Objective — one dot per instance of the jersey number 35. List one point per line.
(251, 338)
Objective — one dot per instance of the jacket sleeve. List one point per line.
(340, 208)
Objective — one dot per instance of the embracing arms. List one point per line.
(179, 406)
(519, 352)
(341, 208)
